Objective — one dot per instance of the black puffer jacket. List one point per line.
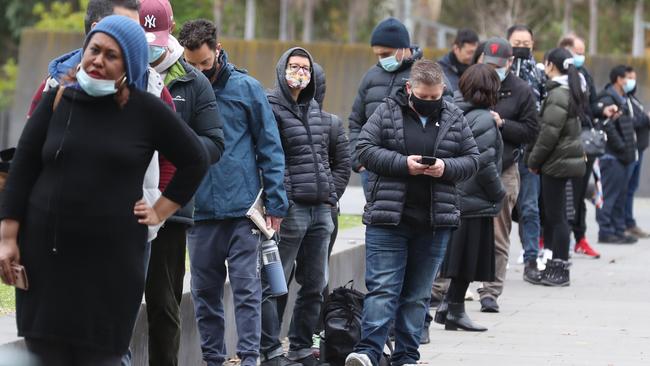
(621, 137)
(482, 195)
(338, 149)
(305, 137)
(376, 85)
(641, 123)
(382, 150)
(517, 106)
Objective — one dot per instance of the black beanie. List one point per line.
(390, 33)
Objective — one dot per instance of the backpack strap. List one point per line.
(57, 98)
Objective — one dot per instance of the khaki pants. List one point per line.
(502, 228)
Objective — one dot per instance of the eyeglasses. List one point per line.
(296, 68)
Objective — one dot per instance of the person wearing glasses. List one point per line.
(306, 229)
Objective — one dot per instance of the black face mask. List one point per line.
(521, 52)
(426, 108)
(209, 73)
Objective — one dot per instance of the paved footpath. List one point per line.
(603, 318)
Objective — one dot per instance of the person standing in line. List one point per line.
(195, 103)
(222, 232)
(642, 129)
(85, 235)
(459, 58)
(417, 148)
(558, 156)
(307, 229)
(470, 256)
(620, 155)
(524, 66)
(576, 46)
(517, 108)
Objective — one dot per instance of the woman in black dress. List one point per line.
(73, 215)
(470, 256)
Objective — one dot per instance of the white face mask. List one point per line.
(95, 87)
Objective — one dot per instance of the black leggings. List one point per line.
(556, 226)
(580, 185)
(457, 290)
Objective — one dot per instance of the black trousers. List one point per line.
(556, 226)
(580, 185)
(163, 294)
(48, 353)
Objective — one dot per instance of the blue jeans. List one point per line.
(528, 207)
(615, 177)
(304, 239)
(633, 185)
(211, 244)
(364, 182)
(401, 263)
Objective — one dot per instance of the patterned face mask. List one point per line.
(297, 79)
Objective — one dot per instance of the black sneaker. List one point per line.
(489, 305)
(280, 361)
(556, 273)
(532, 274)
(616, 239)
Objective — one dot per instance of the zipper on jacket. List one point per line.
(305, 121)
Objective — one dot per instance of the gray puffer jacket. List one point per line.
(382, 150)
(482, 195)
(305, 140)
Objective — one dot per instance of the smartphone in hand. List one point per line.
(21, 277)
(428, 160)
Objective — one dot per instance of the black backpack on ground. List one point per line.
(343, 312)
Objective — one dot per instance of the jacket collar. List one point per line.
(225, 70)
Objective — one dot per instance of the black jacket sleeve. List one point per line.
(27, 164)
(615, 140)
(373, 155)
(206, 121)
(523, 131)
(356, 121)
(181, 146)
(339, 156)
(465, 165)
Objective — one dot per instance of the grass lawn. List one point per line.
(7, 300)
(349, 221)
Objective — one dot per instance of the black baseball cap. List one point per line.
(497, 51)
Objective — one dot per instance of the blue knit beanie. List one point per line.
(129, 35)
(390, 33)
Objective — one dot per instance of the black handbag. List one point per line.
(593, 140)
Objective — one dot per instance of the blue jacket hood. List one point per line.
(60, 66)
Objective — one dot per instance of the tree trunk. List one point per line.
(593, 27)
(217, 11)
(249, 28)
(308, 19)
(284, 17)
(638, 39)
(568, 15)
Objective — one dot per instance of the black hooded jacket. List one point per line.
(305, 136)
(338, 149)
(621, 137)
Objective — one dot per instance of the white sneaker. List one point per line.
(357, 359)
(469, 296)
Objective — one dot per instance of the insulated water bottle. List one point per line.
(273, 268)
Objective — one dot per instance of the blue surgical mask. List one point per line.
(630, 84)
(502, 72)
(578, 60)
(390, 63)
(95, 87)
(155, 52)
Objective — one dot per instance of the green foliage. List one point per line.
(185, 10)
(61, 16)
(7, 300)
(8, 77)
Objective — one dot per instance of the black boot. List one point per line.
(441, 312)
(556, 273)
(458, 318)
(532, 274)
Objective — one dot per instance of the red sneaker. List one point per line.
(583, 247)
(541, 242)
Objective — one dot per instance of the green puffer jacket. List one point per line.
(558, 151)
